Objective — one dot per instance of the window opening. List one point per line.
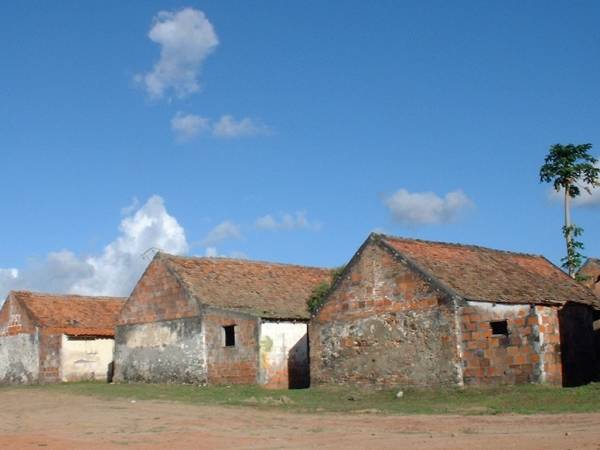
(499, 327)
(229, 335)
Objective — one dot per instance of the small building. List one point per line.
(46, 338)
(217, 321)
(418, 313)
(590, 271)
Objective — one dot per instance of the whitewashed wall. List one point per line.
(85, 359)
(284, 354)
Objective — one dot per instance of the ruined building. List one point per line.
(50, 338)
(217, 321)
(410, 312)
(590, 271)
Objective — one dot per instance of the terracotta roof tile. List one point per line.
(72, 314)
(259, 288)
(591, 270)
(479, 273)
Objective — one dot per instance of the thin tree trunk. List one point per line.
(568, 229)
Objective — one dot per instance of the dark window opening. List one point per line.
(229, 335)
(499, 327)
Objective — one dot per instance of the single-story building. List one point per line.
(417, 313)
(590, 271)
(217, 321)
(48, 338)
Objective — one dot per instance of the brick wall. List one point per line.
(158, 295)
(528, 353)
(49, 351)
(384, 325)
(237, 364)
(13, 319)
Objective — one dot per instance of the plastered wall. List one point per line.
(284, 355)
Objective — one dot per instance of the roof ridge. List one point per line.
(455, 244)
(241, 260)
(49, 294)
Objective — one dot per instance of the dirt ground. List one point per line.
(34, 419)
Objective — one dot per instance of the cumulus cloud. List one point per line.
(423, 208)
(188, 126)
(228, 128)
(286, 221)
(589, 197)
(222, 232)
(186, 38)
(112, 272)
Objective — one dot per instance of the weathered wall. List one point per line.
(577, 338)
(161, 352)
(49, 350)
(86, 358)
(530, 353)
(158, 295)
(284, 355)
(231, 365)
(19, 358)
(384, 325)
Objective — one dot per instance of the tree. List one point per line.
(571, 168)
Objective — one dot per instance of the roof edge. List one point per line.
(456, 244)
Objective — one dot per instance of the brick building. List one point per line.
(410, 312)
(217, 321)
(591, 272)
(50, 338)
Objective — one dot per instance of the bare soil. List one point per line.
(38, 419)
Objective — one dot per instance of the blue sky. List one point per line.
(283, 131)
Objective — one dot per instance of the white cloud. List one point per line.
(188, 126)
(212, 252)
(112, 272)
(224, 231)
(186, 38)
(227, 127)
(589, 197)
(286, 221)
(422, 208)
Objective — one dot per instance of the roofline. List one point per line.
(240, 260)
(452, 292)
(456, 244)
(48, 294)
(432, 279)
(588, 261)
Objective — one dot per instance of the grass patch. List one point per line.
(525, 399)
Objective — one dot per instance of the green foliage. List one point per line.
(319, 293)
(567, 165)
(571, 168)
(574, 258)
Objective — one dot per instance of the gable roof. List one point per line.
(484, 274)
(71, 314)
(591, 271)
(263, 289)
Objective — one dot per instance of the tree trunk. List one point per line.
(568, 230)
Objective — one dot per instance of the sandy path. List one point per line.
(34, 419)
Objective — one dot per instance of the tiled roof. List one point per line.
(591, 271)
(479, 273)
(259, 288)
(72, 314)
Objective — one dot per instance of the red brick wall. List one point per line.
(157, 296)
(384, 325)
(530, 353)
(231, 365)
(50, 357)
(13, 319)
